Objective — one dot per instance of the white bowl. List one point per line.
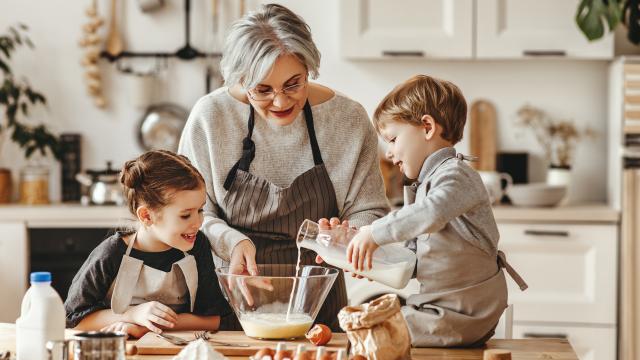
(536, 194)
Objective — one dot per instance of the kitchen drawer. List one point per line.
(571, 271)
(589, 343)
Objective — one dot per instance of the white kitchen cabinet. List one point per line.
(420, 28)
(589, 343)
(516, 28)
(13, 268)
(571, 271)
(465, 29)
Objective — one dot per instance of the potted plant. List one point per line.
(593, 16)
(17, 97)
(558, 138)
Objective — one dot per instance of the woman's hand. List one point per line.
(151, 315)
(132, 330)
(243, 258)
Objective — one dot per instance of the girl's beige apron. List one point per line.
(271, 215)
(446, 312)
(137, 283)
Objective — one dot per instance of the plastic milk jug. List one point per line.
(42, 319)
(392, 264)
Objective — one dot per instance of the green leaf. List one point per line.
(589, 18)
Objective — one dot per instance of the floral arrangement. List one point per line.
(558, 137)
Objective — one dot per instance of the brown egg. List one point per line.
(264, 352)
(306, 355)
(283, 354)
(319, 335)
(358, 357)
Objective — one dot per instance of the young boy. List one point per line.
(447, 219)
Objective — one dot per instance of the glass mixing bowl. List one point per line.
(277, 304)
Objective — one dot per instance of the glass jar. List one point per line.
(5, 186)
(34, 185)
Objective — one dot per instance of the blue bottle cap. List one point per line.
(40, 276)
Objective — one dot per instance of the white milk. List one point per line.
(42, 319)
(396, 271)
(395, 275)
(275, 325)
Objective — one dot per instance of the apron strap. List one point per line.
(248, 152)
(249, 147)
(308, 116)
(502, 263)
(130, 246)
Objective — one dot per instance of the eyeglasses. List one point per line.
(269, 95)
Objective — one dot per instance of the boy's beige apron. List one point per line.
(448, 311)
(271, 215)
(137, 283)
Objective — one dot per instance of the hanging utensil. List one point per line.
(482, 124)
(114, 45)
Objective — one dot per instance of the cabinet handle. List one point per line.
(531, 335)
(544, 53)
(547, 233)
(403, 53)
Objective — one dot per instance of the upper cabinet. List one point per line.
(516, 28)
(466, 29)
(429, 28)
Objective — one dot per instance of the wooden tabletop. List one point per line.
(530, 349)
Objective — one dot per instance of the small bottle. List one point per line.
(42, 319)
(392, 264)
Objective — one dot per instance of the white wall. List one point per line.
(565, 88)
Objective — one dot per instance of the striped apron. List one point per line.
(270, 215)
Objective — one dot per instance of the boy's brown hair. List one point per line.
(425, 95)
(155, 176)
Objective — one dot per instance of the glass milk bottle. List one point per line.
(42, 319)
(392, 264)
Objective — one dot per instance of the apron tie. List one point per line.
(502, 263)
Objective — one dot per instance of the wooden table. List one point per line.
(548, 349)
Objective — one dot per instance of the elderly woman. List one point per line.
(276, 149)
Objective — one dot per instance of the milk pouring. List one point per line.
(392, 264)
(42, 319)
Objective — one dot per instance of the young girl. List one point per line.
(160, 276)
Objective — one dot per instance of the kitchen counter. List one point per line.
(65, 215)
(75, 215)
(556, 349)
(579, 213)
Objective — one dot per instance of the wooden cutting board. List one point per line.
(150, 344)
(482, 139)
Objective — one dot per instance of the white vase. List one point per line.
(560, 176)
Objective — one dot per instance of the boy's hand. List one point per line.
(132, 330)
(151, 315)
(361, 248)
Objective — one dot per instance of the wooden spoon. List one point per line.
(114, 40)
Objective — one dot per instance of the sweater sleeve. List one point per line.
(366, 200)
(452, 193)
(195, 144)
(91, 283)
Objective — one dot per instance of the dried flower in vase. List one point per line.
(558, 137)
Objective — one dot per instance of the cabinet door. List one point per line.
(571, 271)
(589, 343)
(13, 269)
(429, 28)
(516, 29)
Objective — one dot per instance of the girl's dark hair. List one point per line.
(155, 176)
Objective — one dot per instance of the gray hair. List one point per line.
(257, 40)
